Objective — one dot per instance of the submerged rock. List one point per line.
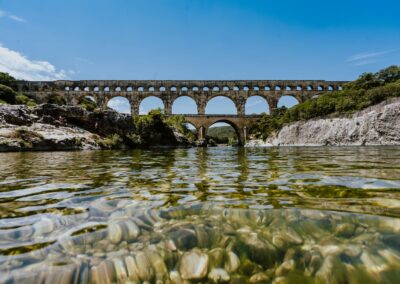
(194, 265)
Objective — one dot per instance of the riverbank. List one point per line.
(49, 127)
(376, 125)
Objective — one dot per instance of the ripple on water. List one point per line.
(56, 211)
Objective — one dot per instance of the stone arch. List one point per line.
(195, 89)
(225, 89)
(277, 88)
(256, 88)
(288, 101)
(184, 102)
(330, 88)
(288, 88)
(239, 134)
(320, 88)
(119, 104)
(267, 88)
(129, 89)
(256, 105)
(184, 89)
(299, 88)
(162, 89)
(96, 89)
(211, 108)
(215, 89)
(149, 103)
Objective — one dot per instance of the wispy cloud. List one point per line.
(21, 67)
(11, 16)
(365, 58)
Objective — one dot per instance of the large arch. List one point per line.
(120, 104)
(221, 105)
(287, 101)
(184, 105)
(222, 126)
(150, 103)
(256, 105)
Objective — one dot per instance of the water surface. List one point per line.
(228, 214)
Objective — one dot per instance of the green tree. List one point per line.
(7, 80)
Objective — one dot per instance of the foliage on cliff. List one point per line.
(369, 89)
(157, 129)
(8, 93)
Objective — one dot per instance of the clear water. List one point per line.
(288, 215)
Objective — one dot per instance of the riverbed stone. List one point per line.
(260, 277)
(194, 265)
(218, 275)
(232, 262)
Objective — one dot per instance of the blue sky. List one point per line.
(197, 39)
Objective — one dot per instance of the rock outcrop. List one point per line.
(376, 125)
(50, 127)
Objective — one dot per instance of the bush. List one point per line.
(111, 142)
(7, 80)
(7, 94)
(87, 104)
(56, 99)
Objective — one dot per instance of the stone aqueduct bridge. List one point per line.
(168, 91)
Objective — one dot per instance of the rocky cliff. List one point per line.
(52, 127)
(376, 125)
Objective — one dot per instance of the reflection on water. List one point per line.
(158, 215)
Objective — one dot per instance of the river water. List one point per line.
(216, 215)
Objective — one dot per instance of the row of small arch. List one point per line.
(206, 89)
(229, 104)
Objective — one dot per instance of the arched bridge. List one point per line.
(169, 91)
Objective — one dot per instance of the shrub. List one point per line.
(56, 99)
(7, 94)
(87, 104)
(7, 80)
(111, 141)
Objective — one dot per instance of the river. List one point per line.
(224, 214)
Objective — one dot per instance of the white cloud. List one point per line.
(21, 67)
(368, 57)
(11, 16)
(16, 18)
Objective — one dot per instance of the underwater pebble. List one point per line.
(193, 265)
